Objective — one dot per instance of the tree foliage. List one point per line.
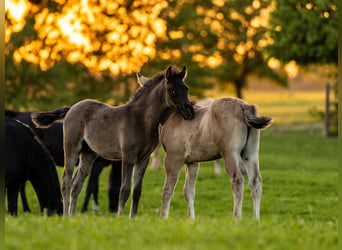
(304, 31)
(220, 39)
(92, 48)
(117, 36)
(68, 50)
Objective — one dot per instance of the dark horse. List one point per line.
(128, 132)
(27, 159)
(52, 138)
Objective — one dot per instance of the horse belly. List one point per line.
(201, 150)
(107, 148)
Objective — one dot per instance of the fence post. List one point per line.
(326, 113)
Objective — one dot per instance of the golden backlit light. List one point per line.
(125, 38)
(83, 29)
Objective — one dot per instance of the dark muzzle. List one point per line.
(187, 111)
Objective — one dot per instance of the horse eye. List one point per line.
(173, 93)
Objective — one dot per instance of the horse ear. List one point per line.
(184, 72)
(141, 79)
(168, 73)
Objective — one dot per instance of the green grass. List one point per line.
(298, 207)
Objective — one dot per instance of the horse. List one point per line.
(228, 128)
(27, 159)
(52, 138)
(156, 164)
(128, 132)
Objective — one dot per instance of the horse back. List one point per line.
(104, 128)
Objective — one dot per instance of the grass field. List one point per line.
(298, 208)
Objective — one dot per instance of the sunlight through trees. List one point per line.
(117, 36)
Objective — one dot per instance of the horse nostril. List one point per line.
(191, 109)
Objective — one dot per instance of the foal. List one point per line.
(128, 132)
(228, 128)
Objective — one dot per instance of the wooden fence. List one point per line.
(330, 115)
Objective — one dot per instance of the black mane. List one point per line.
(152, 82)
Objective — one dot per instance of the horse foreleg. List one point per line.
(86, 161)
(189, 187)
(172, 168)
(231, 164)
(24, 201)
(139, 172)
(125, 189)
(12, 199)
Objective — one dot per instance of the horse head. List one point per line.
(176, 93)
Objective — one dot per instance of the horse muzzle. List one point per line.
(187, 111)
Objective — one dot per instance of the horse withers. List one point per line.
(128, 132)
(228, 128)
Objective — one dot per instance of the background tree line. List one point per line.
(58, 52)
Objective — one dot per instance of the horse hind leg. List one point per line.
(155, 164)
(189, 187)
(231, 164)
(93, 187)
(70, 160)
(251, 161)
(255, 185)
(87, 159)
(217, 168)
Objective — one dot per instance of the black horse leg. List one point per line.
(26, 207)
(114, 186)
(12, 199)
(93, 185)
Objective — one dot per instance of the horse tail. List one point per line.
(252, 120)
(45, 119)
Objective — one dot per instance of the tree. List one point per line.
(307, 31)
(220, 39)
(118, 36)
(85, 46)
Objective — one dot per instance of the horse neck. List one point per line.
(154, 107)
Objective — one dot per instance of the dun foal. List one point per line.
(228, 128)
(128, 132)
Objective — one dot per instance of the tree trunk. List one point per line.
(238, 91)
(239, 83)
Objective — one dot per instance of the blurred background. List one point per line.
(280, 55)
